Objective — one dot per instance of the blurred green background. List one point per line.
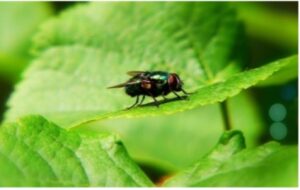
(272, 32)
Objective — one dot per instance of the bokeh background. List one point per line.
(271, 33)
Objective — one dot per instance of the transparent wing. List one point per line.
(134, 73)
(124, 84)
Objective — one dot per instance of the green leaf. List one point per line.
(174, 142)
(92, 46)
(35, 152)
(288, 73)
(18, 21)
(132, 36)
(231, 165)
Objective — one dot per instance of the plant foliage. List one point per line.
(35, 152)
(90, 47)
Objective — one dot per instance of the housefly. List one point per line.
(151, 83)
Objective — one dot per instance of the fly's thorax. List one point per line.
(159, 76)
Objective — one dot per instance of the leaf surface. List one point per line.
(92, 46)
(288, 73)
(174, 142)
(231, 165)
(35, 152)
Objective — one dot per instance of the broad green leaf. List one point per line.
(288, 73)
(91, 47)
(35, 152)
(174, 142)
(18, 21)
(231, 165)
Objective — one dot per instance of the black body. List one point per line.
(155, 83)
(158, 80)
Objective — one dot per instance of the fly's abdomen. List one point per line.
(133, 90)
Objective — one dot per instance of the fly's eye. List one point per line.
(171, 80)
(174, 82)
(146, 84)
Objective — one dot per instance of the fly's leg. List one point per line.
(156, 102)
(185, 93)
(164, 97)
(143, 98)
(177, 95)
(136, 102)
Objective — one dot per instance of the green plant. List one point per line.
(89, 47)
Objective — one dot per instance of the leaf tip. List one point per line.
(229, 144)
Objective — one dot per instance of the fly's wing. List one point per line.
(124, 84)
(135, 73)
(132, 81)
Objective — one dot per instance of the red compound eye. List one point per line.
(171, 80)
(174, 82)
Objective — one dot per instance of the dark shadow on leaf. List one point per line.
(160, 102)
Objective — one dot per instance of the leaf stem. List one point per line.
(225, 115)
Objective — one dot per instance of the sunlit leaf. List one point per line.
(92, 46)
(35, 152)
(231, 165)
(174, 142)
